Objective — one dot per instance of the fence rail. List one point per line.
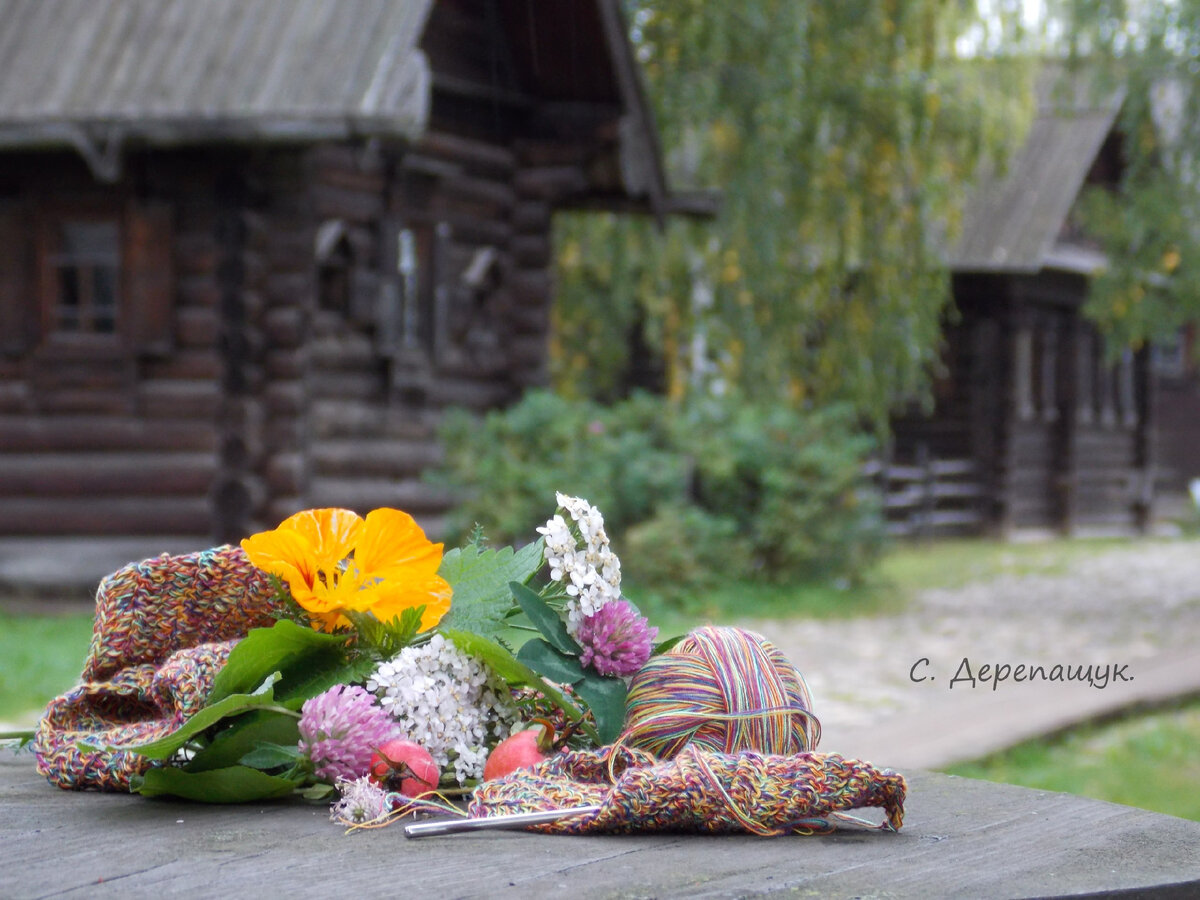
(930, 498)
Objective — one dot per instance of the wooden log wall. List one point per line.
(84, 450)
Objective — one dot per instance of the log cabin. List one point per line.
(251, 249)
(1035, 427)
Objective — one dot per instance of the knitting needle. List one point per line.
(515, 820)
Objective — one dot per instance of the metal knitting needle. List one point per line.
(515, 820)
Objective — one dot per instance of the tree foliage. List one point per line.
(1150, 226)
(841, 136)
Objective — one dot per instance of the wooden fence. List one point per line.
(930, 497)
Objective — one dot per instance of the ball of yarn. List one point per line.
(724, 689)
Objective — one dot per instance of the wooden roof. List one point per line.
(97, 75)
(1013, 222)
(168, 71)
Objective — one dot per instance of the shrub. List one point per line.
(691, 497)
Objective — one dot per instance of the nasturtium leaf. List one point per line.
(545, 619)
(234, 784)
(605, 697)
(242, 736)
(316, 672)
(552, 663)
(516, 673)
(480, 580)
(233, 705)
(267, 650)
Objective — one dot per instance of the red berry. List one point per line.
(405, 767)
(517, 752)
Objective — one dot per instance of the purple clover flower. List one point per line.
(339, 730)
(616, 639)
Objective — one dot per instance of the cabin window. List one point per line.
(1127, 389)
(1023, 364)
(1048, 374)
(1169, 358)
(1085, 380)
(84, 264)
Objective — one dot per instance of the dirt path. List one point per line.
(1135, 607)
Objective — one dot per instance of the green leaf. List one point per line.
(235, 784)
(16, 740)
(236, 704)
(267, 650)
(516, 673)
(270, 756)
(241, 737)
(664, 646)
(386, 639)
(480, 580)
(317, 791)
(315, 673)
(545, 619)
(605, 697)
(552, 663)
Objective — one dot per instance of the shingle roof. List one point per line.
(173, 70)
(1012, 223)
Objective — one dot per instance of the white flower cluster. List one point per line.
(447, 702)
(361, 802)
(592, 575)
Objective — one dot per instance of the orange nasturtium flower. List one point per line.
(333, 560)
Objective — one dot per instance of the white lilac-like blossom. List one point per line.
(591, 575)
(447, 702)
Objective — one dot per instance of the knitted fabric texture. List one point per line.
(164, 628)
(698, 790)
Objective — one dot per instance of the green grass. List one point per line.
(1148, 761)
(40, 657)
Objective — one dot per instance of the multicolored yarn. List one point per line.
(721, 689)
(164, 628)
(697, 791)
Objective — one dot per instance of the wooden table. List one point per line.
(961, 838)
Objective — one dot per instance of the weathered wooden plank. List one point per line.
(364, 494)
(286, 397)
(486, 193)
(287, 474)
(961, 838)
(105, 515)
(284, 326)
(197, 326)
(24, 434)
(196, 399)
(333, 201)
(550, 182)
(197, 363)
(474, 393)
(394, 457)
(15, 396)
(532, 216)
(532, 250)
(480, 155)
(105, 474)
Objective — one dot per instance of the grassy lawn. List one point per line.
(1148, 761)
(40, 657)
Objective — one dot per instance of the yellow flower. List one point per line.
(333, 560)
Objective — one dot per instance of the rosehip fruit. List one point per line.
(405, 767)
(522, 750)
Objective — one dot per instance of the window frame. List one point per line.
(51, 220)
